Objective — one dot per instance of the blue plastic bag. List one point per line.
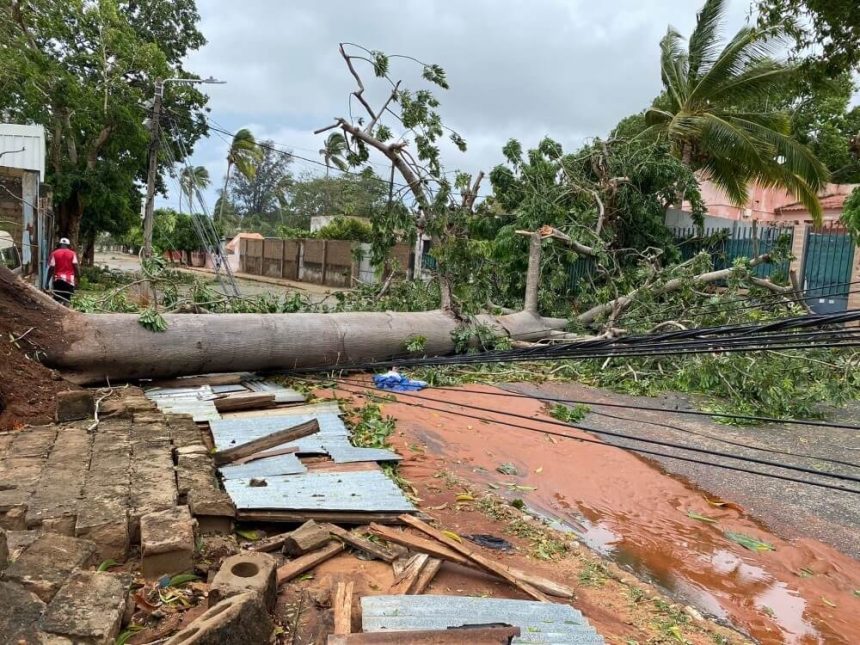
(397, 382)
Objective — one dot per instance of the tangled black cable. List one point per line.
(364, 392)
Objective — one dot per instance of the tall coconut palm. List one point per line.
(191, 179)
(714, 111)
(333, 152)
(243, 155)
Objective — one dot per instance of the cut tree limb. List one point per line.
(249, 401)
(443, 552)
(485, 563)
(268, 442)
(307, 562)
(621, 303)
(342, 607)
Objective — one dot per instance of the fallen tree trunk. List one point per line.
(93, 348)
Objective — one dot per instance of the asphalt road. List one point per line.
(790, 509)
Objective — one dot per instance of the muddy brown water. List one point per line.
(630, 510)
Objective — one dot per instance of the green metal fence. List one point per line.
(828, 257)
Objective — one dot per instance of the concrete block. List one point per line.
(4, 550)
(240, 620)
(104, 520)
(166, 542)
(44, 565)
(19, 612)
(193, 449)
(73, 405)
(17, 541)
(88, 608)
(213, 509)
(246, 572)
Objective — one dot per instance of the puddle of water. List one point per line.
(631, 511)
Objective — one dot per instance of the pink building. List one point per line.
(773, 204)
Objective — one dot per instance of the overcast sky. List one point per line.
(569, 69)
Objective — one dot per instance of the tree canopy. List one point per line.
(85, 70)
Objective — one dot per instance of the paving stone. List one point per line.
(193, 449)
(194, 472)
(213, 509)
(240, 620)
(75, 404)
(88, 608)
(6, 439)
(166, 542)
(48, 561)
(149, 432)
(19, 611)
(4, 550)
(33, 442)
(183, 430)
(14, 518)
(246, 572)
(17, 541)
(152, 485)
(53, 504)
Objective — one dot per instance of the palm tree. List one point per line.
(191, 179)
(713, 111)
(332, 152)
(244, 153)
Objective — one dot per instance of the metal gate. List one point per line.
(827, 260)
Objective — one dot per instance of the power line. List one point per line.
(639, 450)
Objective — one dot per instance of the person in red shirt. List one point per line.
(63, 272)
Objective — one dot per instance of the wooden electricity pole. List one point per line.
(154, 140)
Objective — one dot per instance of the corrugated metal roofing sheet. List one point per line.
(369, 491)
(539, 622)
(268, 467)
(29, 137)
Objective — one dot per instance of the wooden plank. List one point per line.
(197, 381)
(287, 450)
(361, 543)
(244, 401)
(485, 563)
(265, 443)
(406, 580)
(310, 536)
(325, 466)
(444, 553)
(428, 572)
(501, 635)
(342, 607)
(337, 517)
(273, 543)
(421, 544)
(307, 562)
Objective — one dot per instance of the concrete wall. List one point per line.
(329, 262)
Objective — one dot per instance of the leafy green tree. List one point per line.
(84, 70)
(713, 111)
(346, 228)
(851, 214)
(243, 155)
(192, 179)
(826, 33)
(263, 192)
(361, 195)
(333, 152)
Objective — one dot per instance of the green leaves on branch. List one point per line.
(152, 320)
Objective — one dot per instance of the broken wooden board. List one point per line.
(338, 517)
(310, 536)
(308, 561)
(428, 572)
(360, 543)
(485, 563)
(538, 622)
(342, 607)
(244, 401)
(266, 442)
(442, 552)
(406, 580)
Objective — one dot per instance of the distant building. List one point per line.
(233, 250)
(24, 200)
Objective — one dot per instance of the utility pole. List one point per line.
(154, 140)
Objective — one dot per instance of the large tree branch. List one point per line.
(101, 139)
(391, 97)
(549, 231)
(359, 93)
(470, 194)
(619, 304)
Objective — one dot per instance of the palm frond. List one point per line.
(757, 83)
(704, 42)
(724, 174)
(673, 67)
(745, 50)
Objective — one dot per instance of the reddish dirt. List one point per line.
(628, 509)
(29, 325)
